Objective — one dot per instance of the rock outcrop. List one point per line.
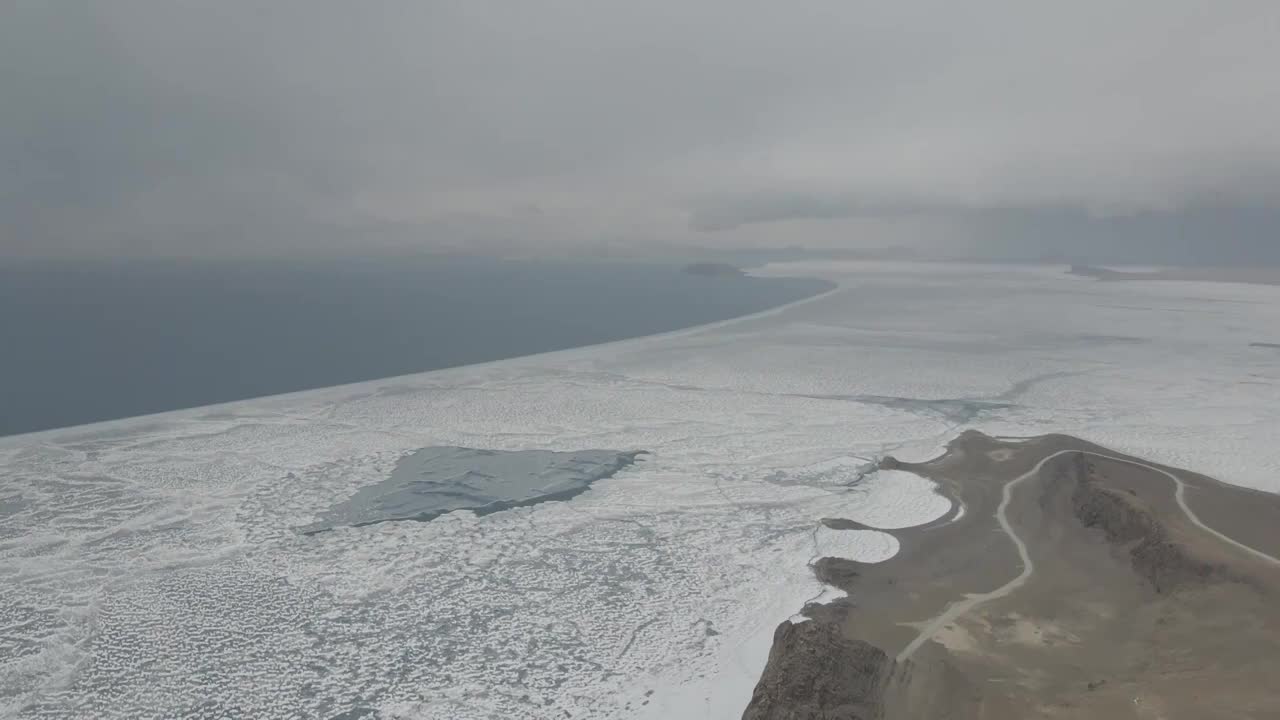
(815, 672)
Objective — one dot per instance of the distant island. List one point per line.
(1102, 273)
(713, 269)
(1253, 275)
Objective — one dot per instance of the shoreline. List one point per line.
(1050, 596)
(188, 413)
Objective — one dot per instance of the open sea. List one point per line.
(85, 343)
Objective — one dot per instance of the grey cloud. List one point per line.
(137, 126)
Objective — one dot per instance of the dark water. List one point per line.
(87, 343)
(438, 480)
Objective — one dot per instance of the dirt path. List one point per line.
(1116, 596)
(1180, 495)
(956, 609)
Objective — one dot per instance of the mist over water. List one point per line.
(93, 342)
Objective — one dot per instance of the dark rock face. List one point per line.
(889, 462)
(1165, 564)
(815, 673)
(836, 571)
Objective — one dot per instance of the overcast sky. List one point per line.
(178, 127)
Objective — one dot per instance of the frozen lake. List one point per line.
(153, 567)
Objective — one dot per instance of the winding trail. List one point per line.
(956, 609)
(1180, 496)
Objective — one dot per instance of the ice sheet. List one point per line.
(151, 567)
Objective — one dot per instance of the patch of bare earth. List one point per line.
(1131, 611)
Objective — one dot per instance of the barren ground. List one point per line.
(1130, 607)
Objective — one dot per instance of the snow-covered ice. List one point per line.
(152, 567)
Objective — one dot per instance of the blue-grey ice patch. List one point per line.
(957, 410)
(437, 480)
(11, 505)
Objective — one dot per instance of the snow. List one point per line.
(152, 567)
